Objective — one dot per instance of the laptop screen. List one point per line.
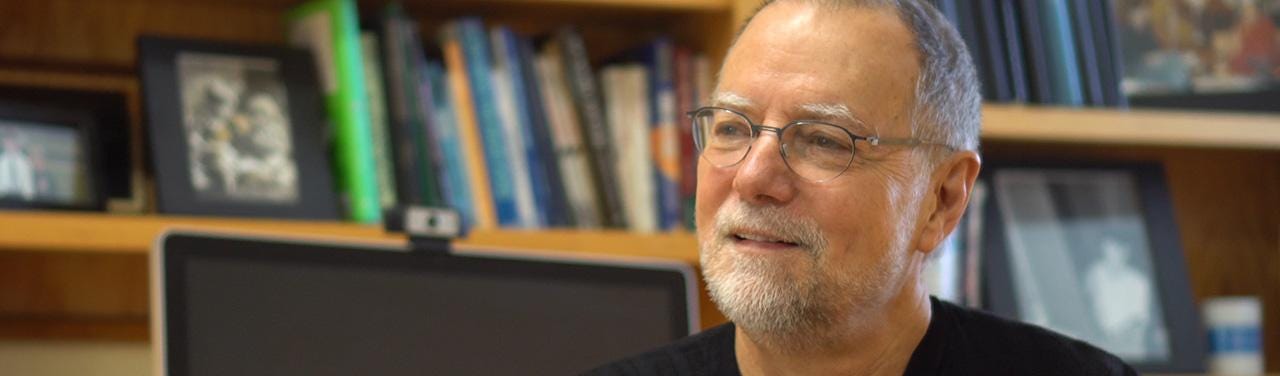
(241, 306)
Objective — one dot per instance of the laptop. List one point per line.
(252, 305)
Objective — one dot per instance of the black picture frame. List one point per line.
(243, 105)
(1089, 278)
(38, 169)
(112, 127)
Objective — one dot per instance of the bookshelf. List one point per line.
(84, 276)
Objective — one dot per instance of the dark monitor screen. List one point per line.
(241, 306)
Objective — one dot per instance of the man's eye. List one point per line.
(730, 130)
(826, 143)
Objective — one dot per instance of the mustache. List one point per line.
(736, 217)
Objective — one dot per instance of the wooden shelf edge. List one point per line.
(1195, 129)
(36, 231)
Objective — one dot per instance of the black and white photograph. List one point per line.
(41, 163)
(235, 113)
(1080, 260)
(236, 130)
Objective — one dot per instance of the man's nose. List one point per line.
(763, 178)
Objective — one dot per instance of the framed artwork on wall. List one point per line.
(1092, 251)
(235, 130)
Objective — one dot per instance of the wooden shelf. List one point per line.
(107, 233)
(1016, 123)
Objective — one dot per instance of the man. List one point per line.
(839, 151)
(16, 177)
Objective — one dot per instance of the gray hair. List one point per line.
(948, 105)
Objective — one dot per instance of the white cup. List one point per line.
(1234, 324)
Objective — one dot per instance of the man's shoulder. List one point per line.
(1005, 346)
(709, 352)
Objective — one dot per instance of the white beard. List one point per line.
(790, 302)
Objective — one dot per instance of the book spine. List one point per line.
(555, 201)
(489, 122)
(581, 195)
(403, 147)
(448, 140)
(509, 90)
(687, 100)
(593, 127)
(429, 157)
(625, 88)
(666, 147)
(993, 47)
(329, 28)
(1087, 53)
(1033, 42)
(1064, 69)
(1019, 82)
(468, 130)
(703, 84)
(378, 122)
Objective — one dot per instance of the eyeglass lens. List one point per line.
(815, 151)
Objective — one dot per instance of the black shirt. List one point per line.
(959, 341)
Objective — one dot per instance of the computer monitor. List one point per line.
(237, 305)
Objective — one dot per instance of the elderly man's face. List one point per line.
(784, 254)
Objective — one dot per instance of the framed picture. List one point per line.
(49, 159)
(1092, 251)
(1222, 55)
(235, 130)
(112, 130)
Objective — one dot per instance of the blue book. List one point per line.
(506, 49)
(659, 59)
(1090, 64)
(475, 48)
(1036, 52)
(453, 167)
(1064, 68)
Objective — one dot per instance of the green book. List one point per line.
(331, 30)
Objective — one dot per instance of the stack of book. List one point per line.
(515, 133)
(1057, 52)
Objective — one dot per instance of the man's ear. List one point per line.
(953, 181)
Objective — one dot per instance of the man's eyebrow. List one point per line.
(834, 112)
(729, 99)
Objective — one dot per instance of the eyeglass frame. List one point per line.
(759, 128)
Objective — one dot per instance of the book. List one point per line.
(592, 124)
(1016, 58)
(626, 94)
(329, 28)
(575, 171)
(1109, 64)
(472, 146)
(493, 134)
(1064, 68)
(405, 164)
(1087, 48)
(988, 19)
(659, 59)
(453, 166)
(378, 122)
(686, 64)
(703, 84)
(526, 162)
(416, 169)
(1034, 48)
(555, 203)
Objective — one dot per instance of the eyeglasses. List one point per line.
(814, 150)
